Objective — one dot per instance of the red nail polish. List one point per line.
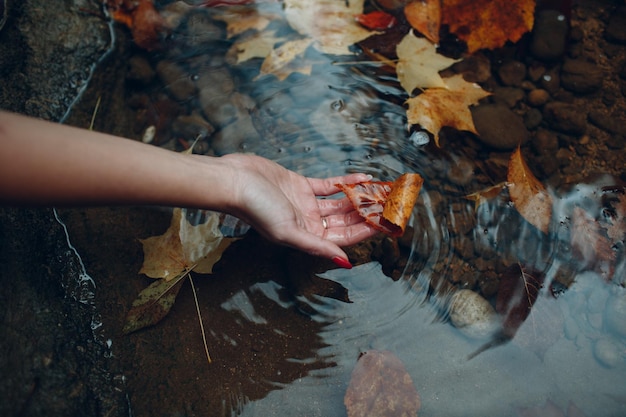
(342, 262)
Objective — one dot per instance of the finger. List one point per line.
(343, 219)
(349, 235)
(317, 246)
(328, 186)
(329, 207)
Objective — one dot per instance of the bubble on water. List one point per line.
(337, 105)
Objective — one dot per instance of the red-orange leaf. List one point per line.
(377, 20)
(425, 17)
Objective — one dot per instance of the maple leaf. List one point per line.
(488, 24)
(529, 196)
(141, 18)
(331, 23)
(425, 17)
(260, 45)
(438, 107)
(591, 246)
(184, 247)
(280, 60)
(239, 20)
(419, 63)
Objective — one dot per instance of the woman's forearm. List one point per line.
(48, 163)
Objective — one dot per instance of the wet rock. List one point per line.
(615, 314)
(509, 96)
(549, 35)
(607, 122)
(532, 119)
(538, 97)
(178, 82)
(616, 142)
(512, 73)
(499, 127)
(472, 314)
(608, 352)
(581, 76)
(475, 68)
(551, 80)
(566, 118)
(191, 127)
(616, 28)
(380, 386)
(545, 142)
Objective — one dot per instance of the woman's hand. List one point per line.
(284, 207)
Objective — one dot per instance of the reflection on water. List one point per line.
(570, 344)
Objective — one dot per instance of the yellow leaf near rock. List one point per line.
(419, 63)
(529, 196)
(280, 61)
(331, 23)
(438, 107)
(240, 20)
(184, 247)
(260, 45)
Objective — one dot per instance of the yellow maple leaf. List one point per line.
(438, 107)
(259, 45)
(280, 60)
(488, 24)
(331, 23)
(184, 247)
(419, 63)
(239, 19)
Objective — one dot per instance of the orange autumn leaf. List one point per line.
(488, 24)
(438, 107)
(372, 198)
(143, 20)
(529, 196)
(425, 17)
(399, 205)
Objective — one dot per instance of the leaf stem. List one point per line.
(195, 298)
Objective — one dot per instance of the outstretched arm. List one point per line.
(43, 163)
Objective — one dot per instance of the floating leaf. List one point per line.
(488, 24)
(529, 196)
(380, 386)
(376, 20)
(184, 247)
(486, 194)
(438, 107)
(399, 205)
(425, 17)
(153, 303)
(419, 64)
(330, 23)
(372, 198)
(517, 293)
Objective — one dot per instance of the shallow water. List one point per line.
(345, 118)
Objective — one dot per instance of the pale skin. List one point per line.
(48, 164)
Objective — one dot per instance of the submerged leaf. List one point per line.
(153, 303)
(517, 293)
(380, 386)
(530, 197)
(589, 245)
(280, 61)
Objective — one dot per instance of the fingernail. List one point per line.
(342, 262)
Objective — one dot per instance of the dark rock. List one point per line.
(508, 96)
(607, 122)
(565, 118)
(499, 127)
(177, 80)
(551, 80)
(616, 28)
(533, 118)
(538, 97)
(475, 68)
(581, 76)
(545, 142)
(616, 142)
(549, 35)
(512, 73)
